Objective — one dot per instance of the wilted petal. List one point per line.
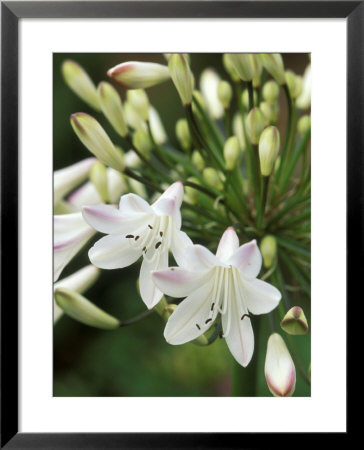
(247, 259)
(228, 244)
(113, 252)
(260, 297)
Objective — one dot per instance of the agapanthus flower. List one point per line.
(227, 284)
(138, 229)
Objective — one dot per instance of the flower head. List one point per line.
(138, 229)
(225, 284)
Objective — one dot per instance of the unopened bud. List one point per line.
(209, 83)
(273, 63)
(79, 308)
(191, 194)
(211, 176)
(246, 100)
(267, 111)
(238, 131)
(271, 91)
(139, 100)
(231, 153)
(304, 124)
(244, 65)
(197, 160)
(133, 119)
(156, 126)
(268, 248)
(182, 77)
(295, 322)
(135, 75)
(201, 101)
(224, 93)
(255, 123)
(183, 134)
(98, 176)
(269, 143)
(257, 71)
(304, 100)
(280, 372)
(95, 139)
(294, 83)
(80, 83)
(229, 67)
(112, 107)
(141, 142)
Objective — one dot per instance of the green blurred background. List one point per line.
(136, 360)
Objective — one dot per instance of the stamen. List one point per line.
(129, 236)
(207, 321)
(137, 237)
(161, 233)
(212, 306)
(144, 248)
(245, 315)
(198, 326)
(150, 226)
(158, 244)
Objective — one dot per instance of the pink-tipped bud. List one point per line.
(135, 75)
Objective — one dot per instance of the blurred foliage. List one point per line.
(136, 360)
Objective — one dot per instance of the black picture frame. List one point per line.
(11, 13)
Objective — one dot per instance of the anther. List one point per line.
(161, 233)
(150, 226)
(207, 321)
(144, 248)
(212, 306)
(128, 236)
(245, 315)
(198, 326)
(137, 237)
(158, 244)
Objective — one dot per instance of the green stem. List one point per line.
(263, 202)
(142, 180)
(141, 316)
(287, 135)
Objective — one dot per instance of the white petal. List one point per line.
(169, 203)
(108, 219)
(260, 297)
(131, 204)
(178, 282)
(240, 336)
(228, 244)
(180, 243)
(248, 259)
(200, 258)
(149, 292)
(113, 252)
(188, 320)
(86, 195)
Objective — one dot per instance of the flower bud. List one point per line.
(168, 311)
(197, 160)
(95, 139)
(268, 248)
(271, 91)
(257, 71)
(280, 372)
(231, 153)
(183, 134)
(211, 176)
(273, 63)
(255, 123)
(267, 111)
(156, 126)
(294, 83)
(191, 194)
(201, 101)
(141, 142)
(304, 124)
(243, 64)
(238, 131)
(224, 93)
(112, 107)
(209, 83)
(245, 99)
(133, 119)
(229, 67)
(139, 100)
(80, 83)
(182, 77)
(98, 176)
(295, 322)
(304, 99)
(269, 143)
(135, 75)
(79, 308)
(132, 160)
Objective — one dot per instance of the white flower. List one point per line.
(71, 233)
(225, 284)
(139, 229)
(279, 369)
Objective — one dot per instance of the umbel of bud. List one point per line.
(269, 143)
(182, 77)
(273, 63)
(79, 308)
(197, 160)
(280, 372)
(304, 124)
(255, 123)
(183, 134)
(139, 100)
(141, 142)
(112, 107)
(95, 139)
(224, 93)
(270, 91)
(243, 64)
(211, 176)
(229, 67)
(231, 152)
(295, 322)
(294, 83)
(98, 176)
(268, 248)
(135, 75)
(80, 83)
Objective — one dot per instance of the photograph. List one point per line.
(182, 224)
